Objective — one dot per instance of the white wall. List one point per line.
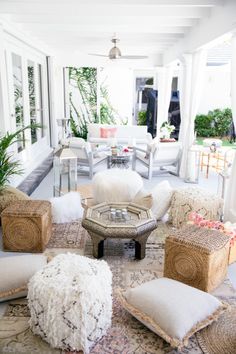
(216, 92)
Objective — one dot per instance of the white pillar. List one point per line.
(233, 78)
(5, 121)
(185, 83)
(230, 197)
(164, 83)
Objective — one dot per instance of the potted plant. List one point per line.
(10, 167)
(166, 130)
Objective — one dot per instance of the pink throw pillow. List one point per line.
(108, 132)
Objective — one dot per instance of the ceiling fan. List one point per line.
(115, 53)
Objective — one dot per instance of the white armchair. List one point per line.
(85, 156)
(165, 156)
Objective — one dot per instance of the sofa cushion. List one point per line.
(108, 132)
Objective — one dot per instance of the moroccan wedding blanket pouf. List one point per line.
(70, 302)
(197, 257)
(26, 226)
(186, 200)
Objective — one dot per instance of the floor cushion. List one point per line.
(116, 185)
(171, 309)
(9, 195)
(15, 272)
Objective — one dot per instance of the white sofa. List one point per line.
(123, 134)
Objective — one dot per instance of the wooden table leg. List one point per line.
(140, 246)
(98, 245)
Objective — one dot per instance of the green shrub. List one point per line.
(222, 121)
(142, 118)
(204, 125)
(215, 123)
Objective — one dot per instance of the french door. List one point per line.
(28, 97)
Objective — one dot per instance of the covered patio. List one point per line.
(103, 103)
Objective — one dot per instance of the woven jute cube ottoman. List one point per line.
(26, 226)
(70, 302)
(197, 257)
(194, 199)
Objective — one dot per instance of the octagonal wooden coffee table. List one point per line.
(138, 226)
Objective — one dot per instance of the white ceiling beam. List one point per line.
(153, 28)
(112, 10)
(159, 3)
(221, 22)
(80, 19)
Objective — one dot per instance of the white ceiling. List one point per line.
(147, 27)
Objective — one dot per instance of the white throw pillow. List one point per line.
(171, 309)
(116, 185)
(67, 208)
(162, 195)
(16, 271)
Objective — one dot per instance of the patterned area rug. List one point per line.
(126, 335)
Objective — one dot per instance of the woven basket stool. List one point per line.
(186, 200)
(26, 226)
(197, 257)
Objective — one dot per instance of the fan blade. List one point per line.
(98, 55)
(133, 57)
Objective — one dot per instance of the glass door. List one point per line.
(28, 98)
(18, 99)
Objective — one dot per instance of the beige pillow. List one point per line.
(143, 198)
(171, 309)
(9, 195)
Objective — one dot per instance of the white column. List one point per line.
(192, 84)
(5, 122)
(230, 196)
(164, 83)
(233, 78)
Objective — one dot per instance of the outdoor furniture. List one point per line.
(101, 224)
(85, 156)
(120, 160)
(194, 199)
(197, 257)
(64, 169)
(165, 156)
(123, 134)
(27, 226)
(70, 302)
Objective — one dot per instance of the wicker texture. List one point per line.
(186, 200)
(27, 226)
(197, 257)
(219, 338)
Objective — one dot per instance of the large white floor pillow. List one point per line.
(16, 271)
(171, 309)
(116, 185)
(67, 208)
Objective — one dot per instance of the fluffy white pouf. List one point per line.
(67, 208)
(70, 302)
(116, 185)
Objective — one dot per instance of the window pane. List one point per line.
(32, 100)
(18, 99)
(40, 98)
